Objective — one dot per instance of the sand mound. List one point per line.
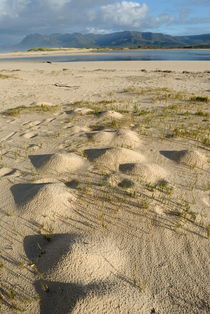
(54, 247)
(85, 259)
(188, 157)
(116, 299)
(124, 137)
(43, 199)
(111, 158)
(147, 172)
(82, 110)
(42, 103)
(111, 115)
(59, 162)
(79, 129)
(76, 298)
(103, 138)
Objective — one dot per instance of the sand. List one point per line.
(104, 187)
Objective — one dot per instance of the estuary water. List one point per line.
(126, 55)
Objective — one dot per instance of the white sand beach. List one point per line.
(104, 187)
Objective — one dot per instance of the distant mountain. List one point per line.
(127, 39)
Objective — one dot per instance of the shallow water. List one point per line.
(119, 55)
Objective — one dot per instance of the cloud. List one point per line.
(21, 17)
(56, 4)
(94, 30)
(12, 8)
(124, 14)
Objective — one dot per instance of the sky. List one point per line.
(19, 18)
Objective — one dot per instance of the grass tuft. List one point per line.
(200, 99)
(22, 109)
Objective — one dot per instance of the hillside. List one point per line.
(114, 40)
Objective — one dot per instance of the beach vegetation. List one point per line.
(129, 90)
(208, 231)
(27, 109)
(199, 99)
(202, 114)
(6, 76)
(42, 49)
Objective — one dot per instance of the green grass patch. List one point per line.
(24, 109)
(6, 76)
(202, 114)
(129, 90)
(41, 49)
(199, 99)
(94, 103)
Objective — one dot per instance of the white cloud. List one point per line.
(56, 4)
(125, 13)
(95, 30)
(12, 8)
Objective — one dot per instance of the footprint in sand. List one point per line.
(31, 124)
(9, 172)
(29, 135)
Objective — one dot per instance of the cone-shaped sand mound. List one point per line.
(112, 157)
(82, 111)
(76, 298)
(55, 246)
(147, 172)
(111, 115)
(127, 138)
(120, 138)
(103, 138)
(59, 163)
(74, 258)
(118, 298)
(43, 199)
(78, 129)
(190, 158)
(42, 103)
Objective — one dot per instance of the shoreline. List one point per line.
(83, 51)
(176, 66)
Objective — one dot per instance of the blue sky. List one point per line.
(21, 17)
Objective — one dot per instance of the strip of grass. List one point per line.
(5, 76)
(22, 109)
(200, 99)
